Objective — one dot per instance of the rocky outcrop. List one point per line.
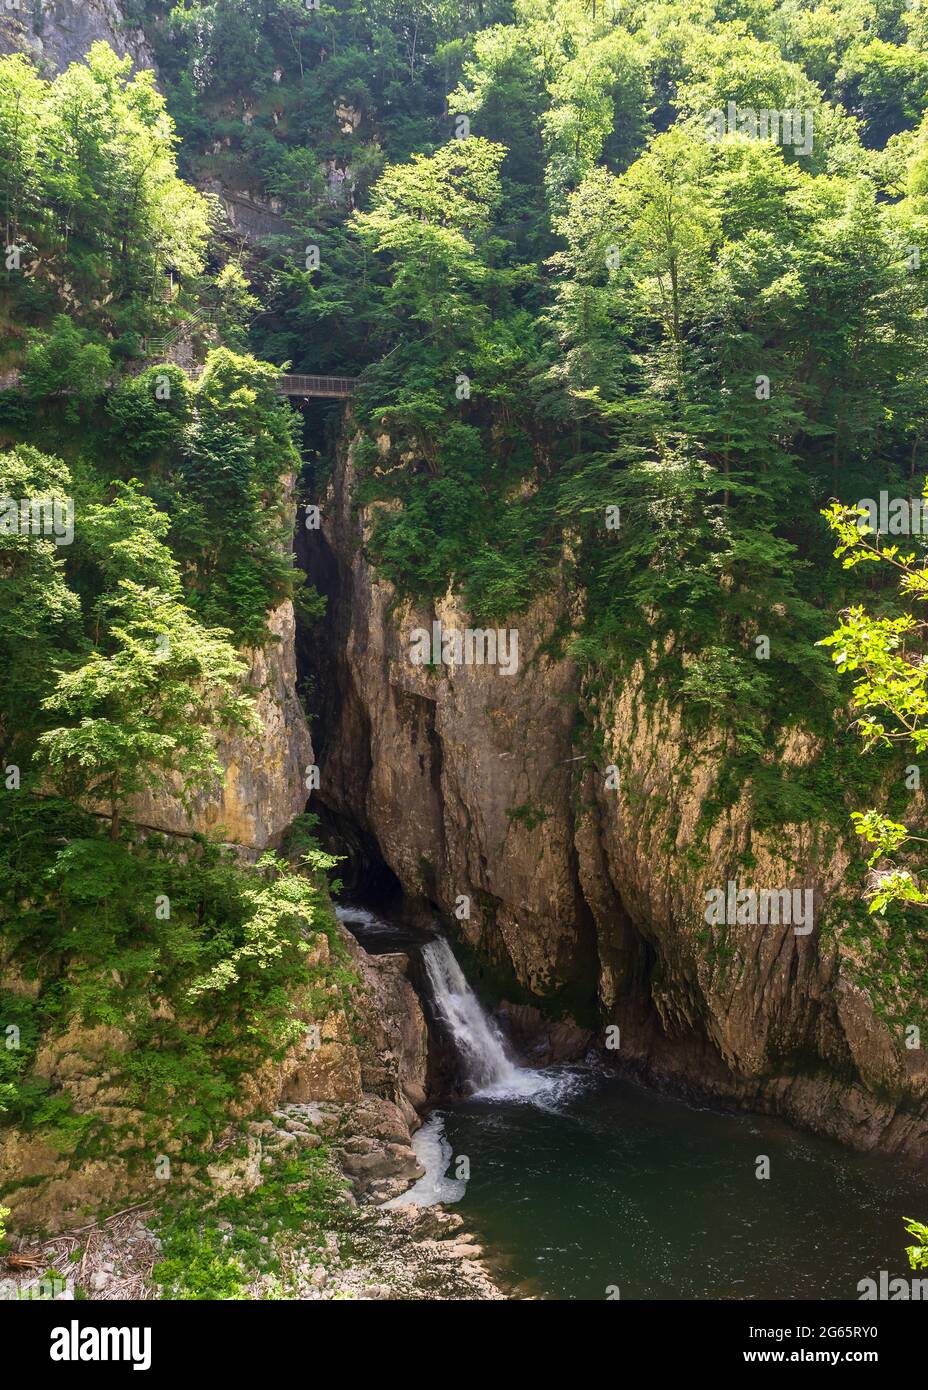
(463, 777)
(565, 833)
(44, 1187)
(767, 1015)
(57, 33)
(364, 1063)
(542, 1041)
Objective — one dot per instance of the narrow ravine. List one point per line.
(583, 1185)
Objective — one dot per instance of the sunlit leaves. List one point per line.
(887, 655)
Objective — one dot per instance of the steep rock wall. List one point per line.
(464, 778)
(776, 1017)
(57, 33)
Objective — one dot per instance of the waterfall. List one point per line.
(488, 1069)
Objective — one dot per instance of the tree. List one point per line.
(428, 218)
(888, 654)
(148, 701)
(151, 414)
(237, 304)
(39, 612)
(88, 167)
(66, 363)
(598, 105)
(22, 130)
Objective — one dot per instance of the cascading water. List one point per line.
(489, 1072)
(488, 1069)
(477, 1039)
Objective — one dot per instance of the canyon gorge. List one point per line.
(400, 893)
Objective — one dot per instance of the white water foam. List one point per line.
(362, 917)
(488, 1068)
(435, 1154)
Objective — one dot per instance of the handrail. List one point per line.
(332, 387)
(295, 384)
(199, 318)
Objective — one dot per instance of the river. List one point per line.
(581, 1185)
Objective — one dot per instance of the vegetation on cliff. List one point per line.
(145, 539)
(597, 300)
(635, 292)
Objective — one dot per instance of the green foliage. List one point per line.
(216, 1255)
(203, 964)
(225, 494)
(144, 706)
(66, 362)
(917, 1253)
(39, 612)
(17, 1012)
(612, 283)
(237, 303)
(890, 691)
(118, 643)
(92, 189)
(151, 414)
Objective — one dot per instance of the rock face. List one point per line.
(593, 887)
(57, 33)
(248, 213)
(76, 1064)
(264, 782)
(770, 1016)
(467, 791)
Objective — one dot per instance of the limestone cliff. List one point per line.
(485, 802)
(59, 32)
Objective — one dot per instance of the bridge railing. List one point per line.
(338, 387)
(199, 318)
(296, 385)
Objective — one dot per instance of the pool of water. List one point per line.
(584, 1186)
(605, 1185)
